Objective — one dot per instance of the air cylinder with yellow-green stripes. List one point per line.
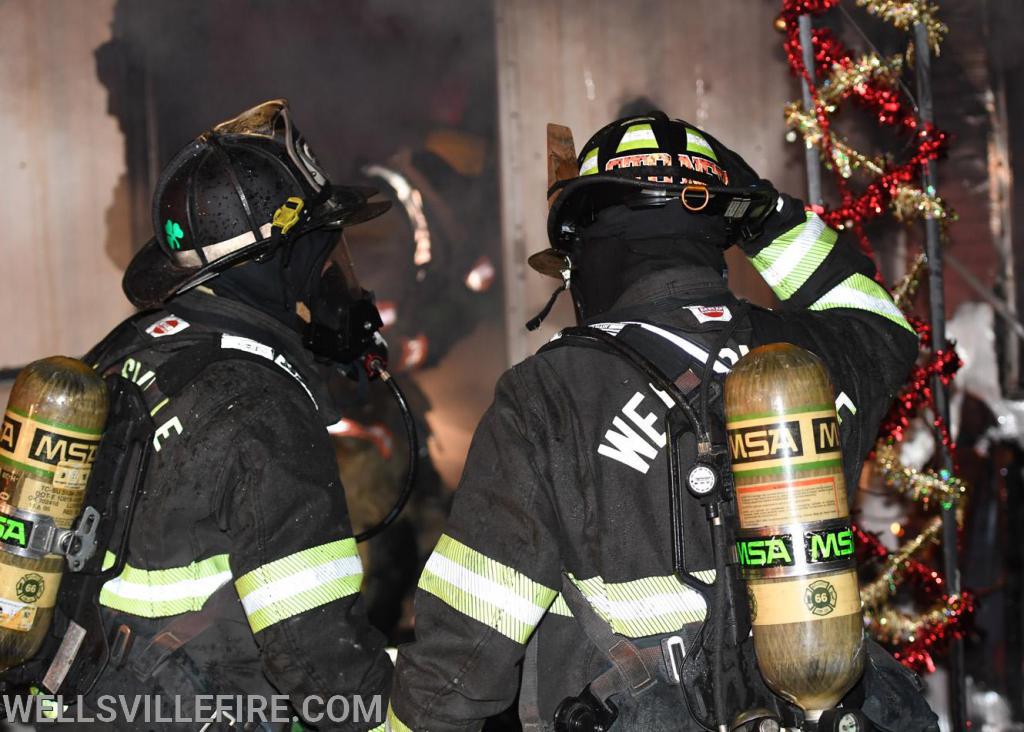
(794, 544)
(48, 441)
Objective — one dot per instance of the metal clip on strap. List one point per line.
(634, 675)
(81, 543)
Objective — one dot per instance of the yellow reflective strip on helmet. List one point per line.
(697, 143)
(589, 166)
(638, 137)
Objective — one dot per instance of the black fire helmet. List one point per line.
(652, 160)
(237, 193)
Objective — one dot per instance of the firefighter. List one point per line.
(242, 575)
(434, 287)
(557, 558)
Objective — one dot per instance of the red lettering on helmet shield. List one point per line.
(643, 160)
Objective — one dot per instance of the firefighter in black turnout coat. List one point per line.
(558, 546)
(242, 575)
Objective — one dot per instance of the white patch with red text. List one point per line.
(710, 313)
(167, 326)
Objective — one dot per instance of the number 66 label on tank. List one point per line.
(22, 593)
(817, 597)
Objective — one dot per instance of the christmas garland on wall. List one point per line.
(888, 185)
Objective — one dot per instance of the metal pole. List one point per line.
(937, 303)
(813, 161)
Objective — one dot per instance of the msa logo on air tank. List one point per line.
(828, 544)
(52, 448)
(782, 439)
(821, 545)
(770, 441)
(9, 433)
(14, 531)
(766, 551)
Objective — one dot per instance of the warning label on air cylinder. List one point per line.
(778, 503)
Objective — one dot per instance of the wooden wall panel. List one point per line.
(716, 63)
(63, 209)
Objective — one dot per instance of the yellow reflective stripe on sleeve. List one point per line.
(792, 258)
(394, 724)
(560, 607)
(648, 606)
(487, 591)
(109, 560)
(382, 727)
(862, 293)
(299, 582)
(158, 593)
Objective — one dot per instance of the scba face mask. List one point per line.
(344, 322)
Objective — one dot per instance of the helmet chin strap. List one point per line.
(534, 322)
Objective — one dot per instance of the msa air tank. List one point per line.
(48, 441)
(794, 543)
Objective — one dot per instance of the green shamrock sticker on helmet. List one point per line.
(174, 234)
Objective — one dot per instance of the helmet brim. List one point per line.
(573, 194)
(349, 205)
(152, 277)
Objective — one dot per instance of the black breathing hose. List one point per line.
(414, 451)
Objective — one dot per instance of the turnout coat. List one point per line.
(241, 543)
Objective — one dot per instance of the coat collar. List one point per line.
(230, 316)
(681, 283)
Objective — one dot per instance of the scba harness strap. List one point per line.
(672, 363)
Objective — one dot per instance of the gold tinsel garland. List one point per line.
(904, 290)
(876, 592)
(845, 79)
(898, 627)
(922, 486)
(908, 202)
(905, 14)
